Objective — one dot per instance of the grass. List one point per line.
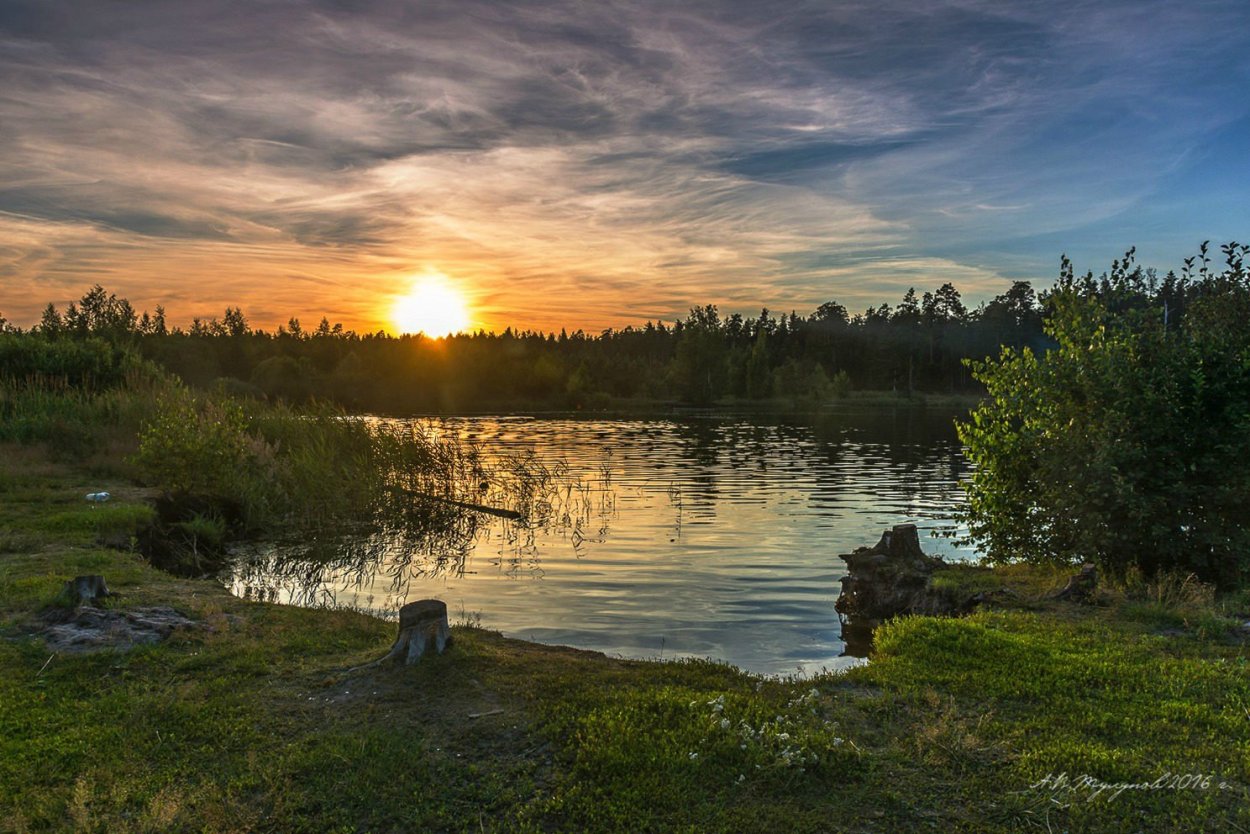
(253, 723)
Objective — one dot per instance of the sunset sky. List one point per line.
(595, 164)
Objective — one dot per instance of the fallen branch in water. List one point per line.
(464, 505)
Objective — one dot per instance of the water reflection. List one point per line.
(521, 501)
(709, 537)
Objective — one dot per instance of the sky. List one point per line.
(598, 164)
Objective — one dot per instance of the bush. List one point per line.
(1123, 444)
(81, 364)
(196, 446)
(272, 466)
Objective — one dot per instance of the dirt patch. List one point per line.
(89, 629)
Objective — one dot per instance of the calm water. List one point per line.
(707, 537)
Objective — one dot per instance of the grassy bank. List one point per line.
(252, 723)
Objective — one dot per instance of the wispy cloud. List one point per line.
(599, 164)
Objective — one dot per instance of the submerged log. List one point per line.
(499, 512)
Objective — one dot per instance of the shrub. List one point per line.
(83, 364)
(1122, 444)
(197, 446)
(77, 424)
(274, 466)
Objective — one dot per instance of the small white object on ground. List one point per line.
(98, 497)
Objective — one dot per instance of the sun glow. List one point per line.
(434, 307)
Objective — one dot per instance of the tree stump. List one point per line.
(903, 542)
(422, 626)
(889, 579)
(1081, 585)
(85, 590)
(895, 578)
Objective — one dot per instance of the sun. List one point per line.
(433, 306)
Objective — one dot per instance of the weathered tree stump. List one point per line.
(422, 626)
(85, 590)
(902, 541)
(888, 579)
(895, 578)
(1081, 585)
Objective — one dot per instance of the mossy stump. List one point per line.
(895, 578)
(85, 590)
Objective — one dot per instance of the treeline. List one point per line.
(916, 346)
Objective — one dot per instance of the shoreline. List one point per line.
(251, 722)
(777, 407)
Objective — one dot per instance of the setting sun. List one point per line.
(434, 307)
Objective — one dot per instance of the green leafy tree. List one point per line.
(285, 378)
(831, 313)
(235, 323)
(50, 323)
(759, 380)
(101, 313)
(802, 380)
(1122, 444)
(699, 364)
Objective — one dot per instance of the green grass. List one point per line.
(253, 723)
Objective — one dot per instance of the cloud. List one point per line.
(593, 164)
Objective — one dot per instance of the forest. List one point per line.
(919, 345)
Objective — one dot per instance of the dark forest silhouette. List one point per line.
(917, 346)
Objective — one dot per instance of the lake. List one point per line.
(702, 536)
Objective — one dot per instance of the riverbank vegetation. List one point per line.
(220, 467)
(1122, 444)
(252, 723)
